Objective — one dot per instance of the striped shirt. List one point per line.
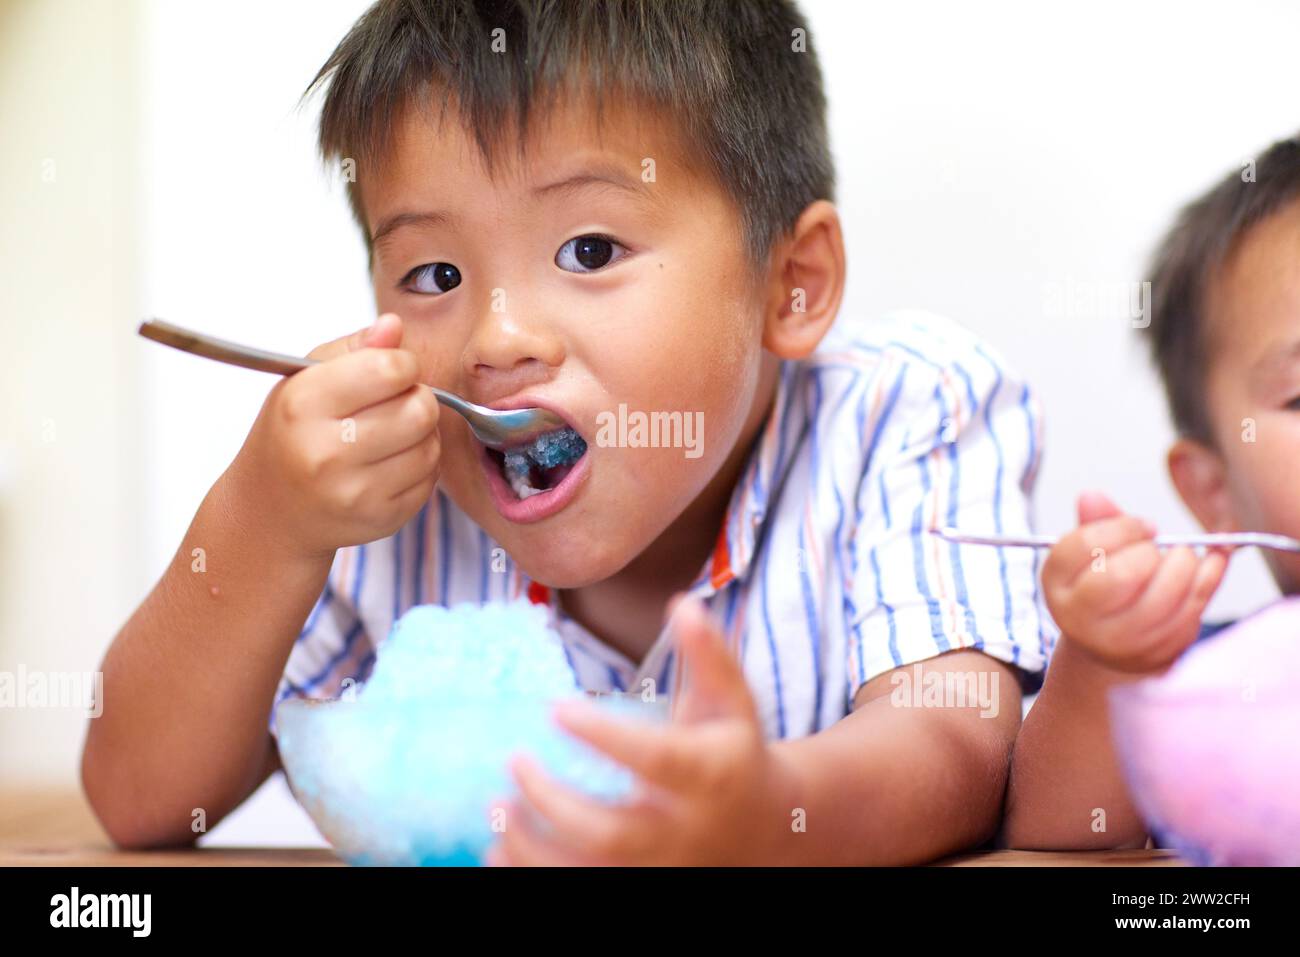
(826, 572)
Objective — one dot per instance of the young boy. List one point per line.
(605, 209)
(1225, 334)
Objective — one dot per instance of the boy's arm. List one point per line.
(343, 452)
(890, 784)
(1066, 788)
(189, 680)
(1126, 611)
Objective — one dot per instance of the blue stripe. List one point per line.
(784, 425)
(771, 643)
(997, 500)
(809, 604)
(322, 602)
(954, 496)
(890, 402)
(894, 653)
(420, 522)
(397, 575)
(664, 686)
(572, 667)
(361, 576)
(364, 669)
(918, 559)
(837, 539)
(1025, 477)
(343, 652)
(444, 554)
(614, 678)
(1033, 439)
(485, 554)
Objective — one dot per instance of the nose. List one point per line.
(507, 352)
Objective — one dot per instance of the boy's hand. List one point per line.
(709, 789)
(346, 451)
(1127, 603)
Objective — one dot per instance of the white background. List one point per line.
(991, 158)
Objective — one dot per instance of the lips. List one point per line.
(523, 495)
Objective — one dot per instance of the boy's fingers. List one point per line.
(384, 333)
(1167, 592)
(714, 684)
(1077, 552)
(1094, 506)
(350, 383)
(1185, 622)
(1117, 580)
(395, 424)
(1209, 575)
(400, 471)
(672, 758)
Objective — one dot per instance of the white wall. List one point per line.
(989, 156)
(71, 558)
(995, 156)
(993, 159)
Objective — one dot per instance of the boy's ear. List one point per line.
(806, 284)
(1201, 477)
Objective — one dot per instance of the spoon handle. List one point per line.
(259, 360)
(1279, 543)
(231, 353)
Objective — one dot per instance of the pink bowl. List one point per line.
(1211, 749)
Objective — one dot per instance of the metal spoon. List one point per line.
(495, 428)
(1278, 543)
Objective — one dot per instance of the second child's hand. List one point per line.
(1119, 597)
(709, 788)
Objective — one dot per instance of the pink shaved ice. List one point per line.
(1211, 749)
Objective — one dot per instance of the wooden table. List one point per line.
(43, 830)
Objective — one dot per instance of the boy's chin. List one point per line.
(568, 564)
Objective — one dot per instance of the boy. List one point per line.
(593, 208)
(1225, 335)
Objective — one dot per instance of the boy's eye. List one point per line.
(432, 279)
(587, 253)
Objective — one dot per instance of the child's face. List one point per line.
(659, 313)
(1253, 386)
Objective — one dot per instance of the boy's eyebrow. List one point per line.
(599, 177)
(397, 221)
(596, 177)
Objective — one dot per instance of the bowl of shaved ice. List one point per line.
(404, 770)
(1211, 749)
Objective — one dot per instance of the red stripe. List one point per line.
(721, 572)
(538, 593)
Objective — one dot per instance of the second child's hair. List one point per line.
(740, 80)
(1191, 253)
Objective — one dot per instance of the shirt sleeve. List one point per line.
(957, 443)
(333, 647)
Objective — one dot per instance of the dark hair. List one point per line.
(740, 79)
(1196, 246)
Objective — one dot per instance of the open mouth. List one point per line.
(542, 464)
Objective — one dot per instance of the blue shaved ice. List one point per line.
(547, 451)
(405, 772)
